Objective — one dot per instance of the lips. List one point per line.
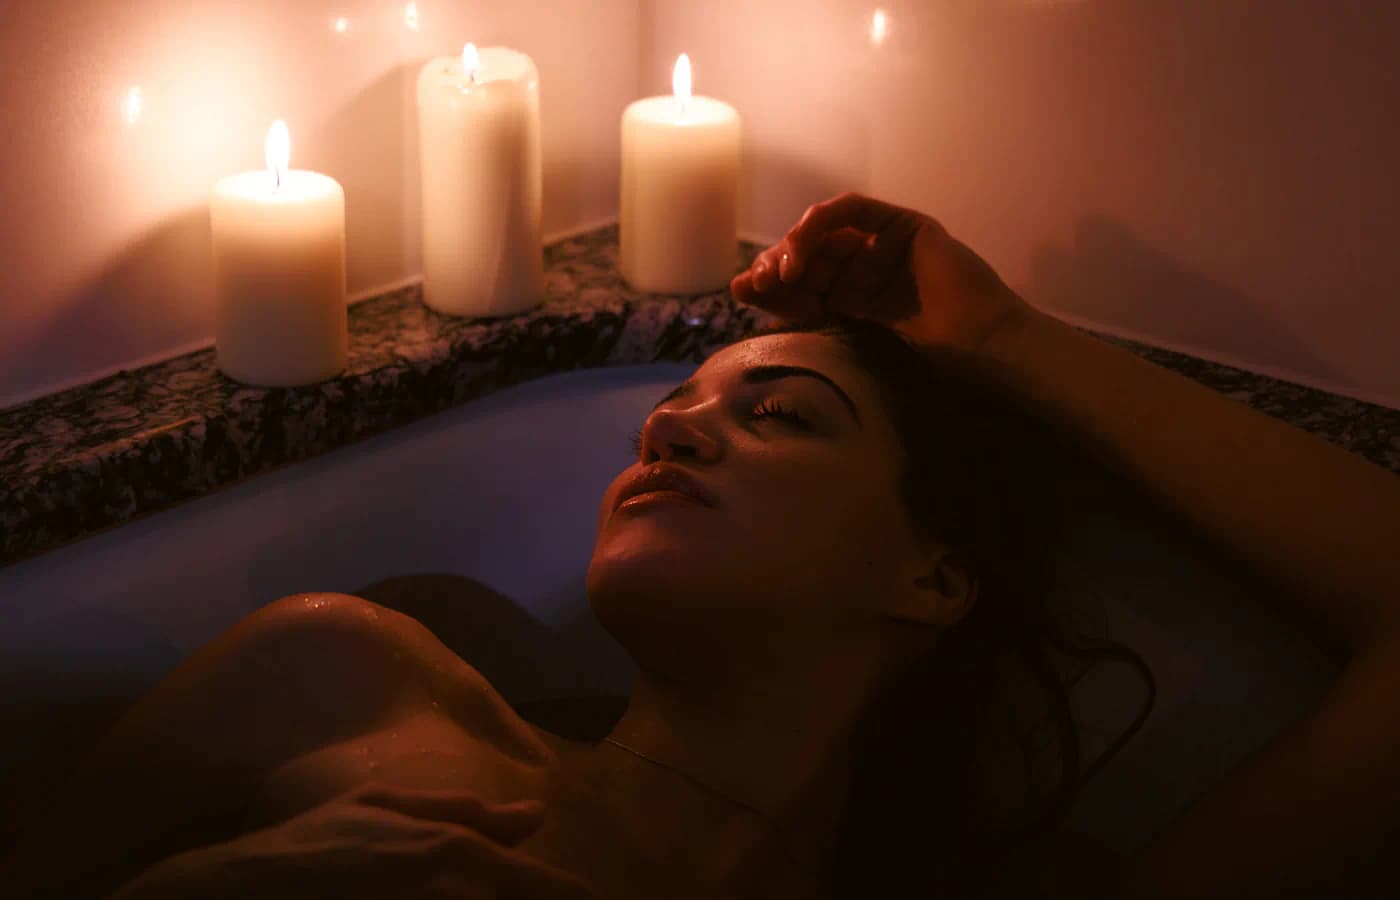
(665, 477)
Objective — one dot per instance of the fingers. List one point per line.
(848, 210)
(760, 285)
(785, 301)
(843, 242)
(506, 823)
(869, 274)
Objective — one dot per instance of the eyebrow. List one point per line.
(761, 374)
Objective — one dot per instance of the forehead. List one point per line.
(815, 351)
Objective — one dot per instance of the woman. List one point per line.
(841, 634)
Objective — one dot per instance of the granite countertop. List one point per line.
(102, 454)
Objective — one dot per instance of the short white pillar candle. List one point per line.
(679, 217)
(279, 272)
(479, 149)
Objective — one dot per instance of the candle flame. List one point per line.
(471, 61)
(680, 80)
(278, 150)
(410, 16)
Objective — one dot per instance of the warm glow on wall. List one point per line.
(341, 25)
(879, 27)
(133, 104)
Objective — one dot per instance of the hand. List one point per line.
(375, 841)
(859, 256)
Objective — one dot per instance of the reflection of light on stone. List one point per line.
(410, 16)
(342, 25)
(134, 102)
(879, 27)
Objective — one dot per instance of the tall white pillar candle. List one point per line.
(279, 272)
(479, 148)
(680, 191)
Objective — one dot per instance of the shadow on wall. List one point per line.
(1111, 276)
(154, 293)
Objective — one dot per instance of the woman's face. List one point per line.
(807, 533)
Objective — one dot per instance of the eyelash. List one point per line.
(764, 410)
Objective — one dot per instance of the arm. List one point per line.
(376, 840)
(1314, 806)
(1317, 521)
(1321, 521)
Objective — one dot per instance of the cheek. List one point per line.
(798, 533)
(820, 540)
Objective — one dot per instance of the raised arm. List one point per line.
(1306, 815)
(1321, 521)
(1311, 813)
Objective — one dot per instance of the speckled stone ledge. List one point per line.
(99, 455)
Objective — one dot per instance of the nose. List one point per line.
(673, 434)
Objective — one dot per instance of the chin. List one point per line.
(636, 577)
(655, 586)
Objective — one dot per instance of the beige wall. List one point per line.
(1216, 176)
(104, 238)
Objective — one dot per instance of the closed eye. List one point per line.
(764, 410)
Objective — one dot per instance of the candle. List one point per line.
(479, 149)
(279, 272)
(680, 187)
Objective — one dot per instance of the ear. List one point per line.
(942, 595)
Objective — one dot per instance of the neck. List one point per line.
(783, 752)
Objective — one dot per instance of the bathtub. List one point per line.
(505, 490)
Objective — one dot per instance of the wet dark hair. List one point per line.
(989, 473)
